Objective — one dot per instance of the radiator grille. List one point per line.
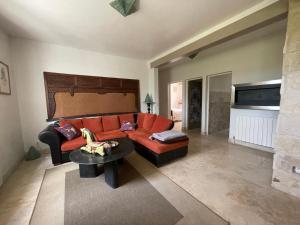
(256, 130)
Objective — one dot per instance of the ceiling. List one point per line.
(94, 25)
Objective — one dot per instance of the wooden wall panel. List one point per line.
(111, 83)
(91, 82)
(130, 84)
(59, 81)
(67, 85)
(79, 104)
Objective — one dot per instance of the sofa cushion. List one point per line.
(138, 132)
(109, 135)
(161, 124)
(93, 124)
(158, 147)
(77, 123)
(140, 119)
(126, 118)
(73, 144)
(148, 121)
(110, 123)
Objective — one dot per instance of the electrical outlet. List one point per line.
(296, 169)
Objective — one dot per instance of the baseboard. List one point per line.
(250, 145)
(10, 171)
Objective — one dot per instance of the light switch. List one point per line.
(296, 169)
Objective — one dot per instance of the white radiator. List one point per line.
(255, 130)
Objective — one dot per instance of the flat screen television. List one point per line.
(262, 95)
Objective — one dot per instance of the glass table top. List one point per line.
(124, 148)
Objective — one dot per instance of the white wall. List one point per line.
(153, 87)
(32, 58)
(11, 142)
(254, 57)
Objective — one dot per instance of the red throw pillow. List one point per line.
(126, 118)
(93, 124)
(75, 123)
(148, 121)
(110, 123)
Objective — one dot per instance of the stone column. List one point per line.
(287, 145)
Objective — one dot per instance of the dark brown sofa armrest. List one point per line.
(51, 137)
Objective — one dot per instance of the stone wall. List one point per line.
(219, 111)
(287, 144)
(219, 103)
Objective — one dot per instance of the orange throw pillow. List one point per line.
(110, 123)
(126, 118)
(140, 119)
(161, 124)
(93, 124)
(75, 123)
(148, 121)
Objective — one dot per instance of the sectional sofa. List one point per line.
(108, 128)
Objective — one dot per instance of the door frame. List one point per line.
(186, 108)
(169, 98)
(207, 96)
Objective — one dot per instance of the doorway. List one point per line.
(176, 104)
(194, 106)
(218, 104)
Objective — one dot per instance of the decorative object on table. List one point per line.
(32, 154)
(113, 143)
(4, 79)
(109, 145)
(88, 135)
(92, 146)
(108, 148)
(149, 101)
(125, 7)
(69, 131)
(95, 148)
(127, 126)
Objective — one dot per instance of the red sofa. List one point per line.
(108, 128)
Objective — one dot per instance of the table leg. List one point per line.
(87, 171)
(111, 174)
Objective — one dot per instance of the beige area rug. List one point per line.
(144, 197)
(136, 201)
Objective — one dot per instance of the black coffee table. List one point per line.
(88, 163)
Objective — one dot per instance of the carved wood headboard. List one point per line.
(70, 96)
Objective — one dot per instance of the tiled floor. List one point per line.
(19, 193)
(232, 180)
